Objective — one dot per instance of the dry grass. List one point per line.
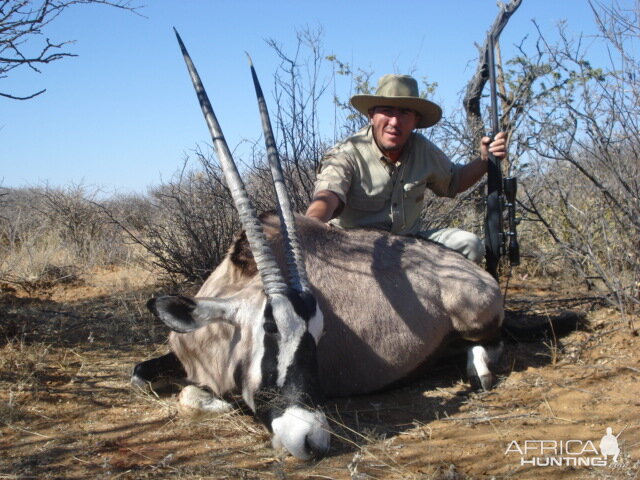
(38, 265)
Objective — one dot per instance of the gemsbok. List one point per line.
(360, 310)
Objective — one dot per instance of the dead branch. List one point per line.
(475, 86)
(21, 28)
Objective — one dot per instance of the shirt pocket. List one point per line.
(366, 202)
(415, 190)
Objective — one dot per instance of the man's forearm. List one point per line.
(471, 173)
(323, 206)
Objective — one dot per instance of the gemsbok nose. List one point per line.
(302, 432)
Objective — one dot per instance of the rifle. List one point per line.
(501, 193)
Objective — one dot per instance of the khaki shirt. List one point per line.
(378, 194)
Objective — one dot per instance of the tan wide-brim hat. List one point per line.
(399, 91)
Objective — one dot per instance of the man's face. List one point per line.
(392, 126)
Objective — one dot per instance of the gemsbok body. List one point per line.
(361, 309)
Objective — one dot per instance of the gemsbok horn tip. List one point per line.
(175, 30)
(254, 76)
(183, 49)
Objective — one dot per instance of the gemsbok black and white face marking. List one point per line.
(288, 397)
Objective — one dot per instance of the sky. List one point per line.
(122, 115)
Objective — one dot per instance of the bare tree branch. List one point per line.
(22, 24)
(475, 86)
(28, 97)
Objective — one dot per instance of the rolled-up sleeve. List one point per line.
(335, 174)
(445, 175)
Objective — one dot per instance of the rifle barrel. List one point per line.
(495, 127)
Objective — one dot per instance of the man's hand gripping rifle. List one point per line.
(501, 193)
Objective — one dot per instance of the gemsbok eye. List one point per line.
(270, 328)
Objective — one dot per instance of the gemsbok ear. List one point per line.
(183, 314)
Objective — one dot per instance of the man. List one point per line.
(377, 178)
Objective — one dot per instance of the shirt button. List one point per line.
(395, 204)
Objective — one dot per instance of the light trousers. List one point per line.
(466, 243)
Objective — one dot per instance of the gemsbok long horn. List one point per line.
(295, 260)
(270, 273)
